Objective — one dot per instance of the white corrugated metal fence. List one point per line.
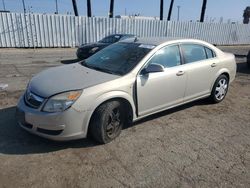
(38, 30)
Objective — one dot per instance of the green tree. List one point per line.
(246, 15)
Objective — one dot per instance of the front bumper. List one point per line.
(66, 125)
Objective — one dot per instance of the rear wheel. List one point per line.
(220, 89)
(107, 121)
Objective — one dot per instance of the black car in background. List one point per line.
(248, 59)
(86, 50)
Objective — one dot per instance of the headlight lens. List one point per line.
(62, 101)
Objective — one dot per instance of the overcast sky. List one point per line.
(189, 9)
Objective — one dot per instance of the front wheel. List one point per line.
(107, 121)
(220, 89)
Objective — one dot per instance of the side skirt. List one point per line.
(141, 117)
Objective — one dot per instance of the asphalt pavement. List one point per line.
(195, 145)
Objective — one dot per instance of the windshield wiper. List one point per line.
(98, 68)
(104, 70)
(87, 65)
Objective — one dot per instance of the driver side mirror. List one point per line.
(152, 68)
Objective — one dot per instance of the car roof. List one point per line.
(159, 40)
(155, 40)
(127, 34)
(120, 35)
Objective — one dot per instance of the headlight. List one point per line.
(62, 101)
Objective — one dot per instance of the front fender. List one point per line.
(113, 95)
(106, 97)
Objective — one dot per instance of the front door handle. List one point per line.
(213, 65)
(180, 73)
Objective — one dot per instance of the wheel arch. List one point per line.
(114, 95)
(223, 71)
(227, 75)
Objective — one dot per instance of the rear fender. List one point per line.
(220, 72)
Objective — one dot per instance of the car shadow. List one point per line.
(243, 68)
(70, 61)
(200, 102)
(14, 140)
(240, 56)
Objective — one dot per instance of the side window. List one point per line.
(167, 57)
(111, 39)
(210, 53)
(193, 52)
(116, 38)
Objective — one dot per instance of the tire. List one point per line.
(220, 89)
(107, 121)
(248, 59)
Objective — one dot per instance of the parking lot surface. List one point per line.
(195, 145)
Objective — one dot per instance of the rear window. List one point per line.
(111, 39)
(210, 53)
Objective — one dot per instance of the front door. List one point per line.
(160, 90)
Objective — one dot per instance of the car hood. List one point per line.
(65, 78)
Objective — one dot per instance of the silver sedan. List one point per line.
(123, 83)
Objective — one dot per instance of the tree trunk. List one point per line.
(75, 7)
(170, 10)
(161, 10)
(89, 8)
(111, 9)
(203, 10)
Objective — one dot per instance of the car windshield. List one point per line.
(119, 58)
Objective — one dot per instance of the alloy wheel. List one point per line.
(113, 123)
(221, 89)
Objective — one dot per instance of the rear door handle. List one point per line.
(213, 65)
(180, 73)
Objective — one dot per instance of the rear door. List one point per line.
(201, 67)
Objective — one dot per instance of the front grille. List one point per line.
(33, 100)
